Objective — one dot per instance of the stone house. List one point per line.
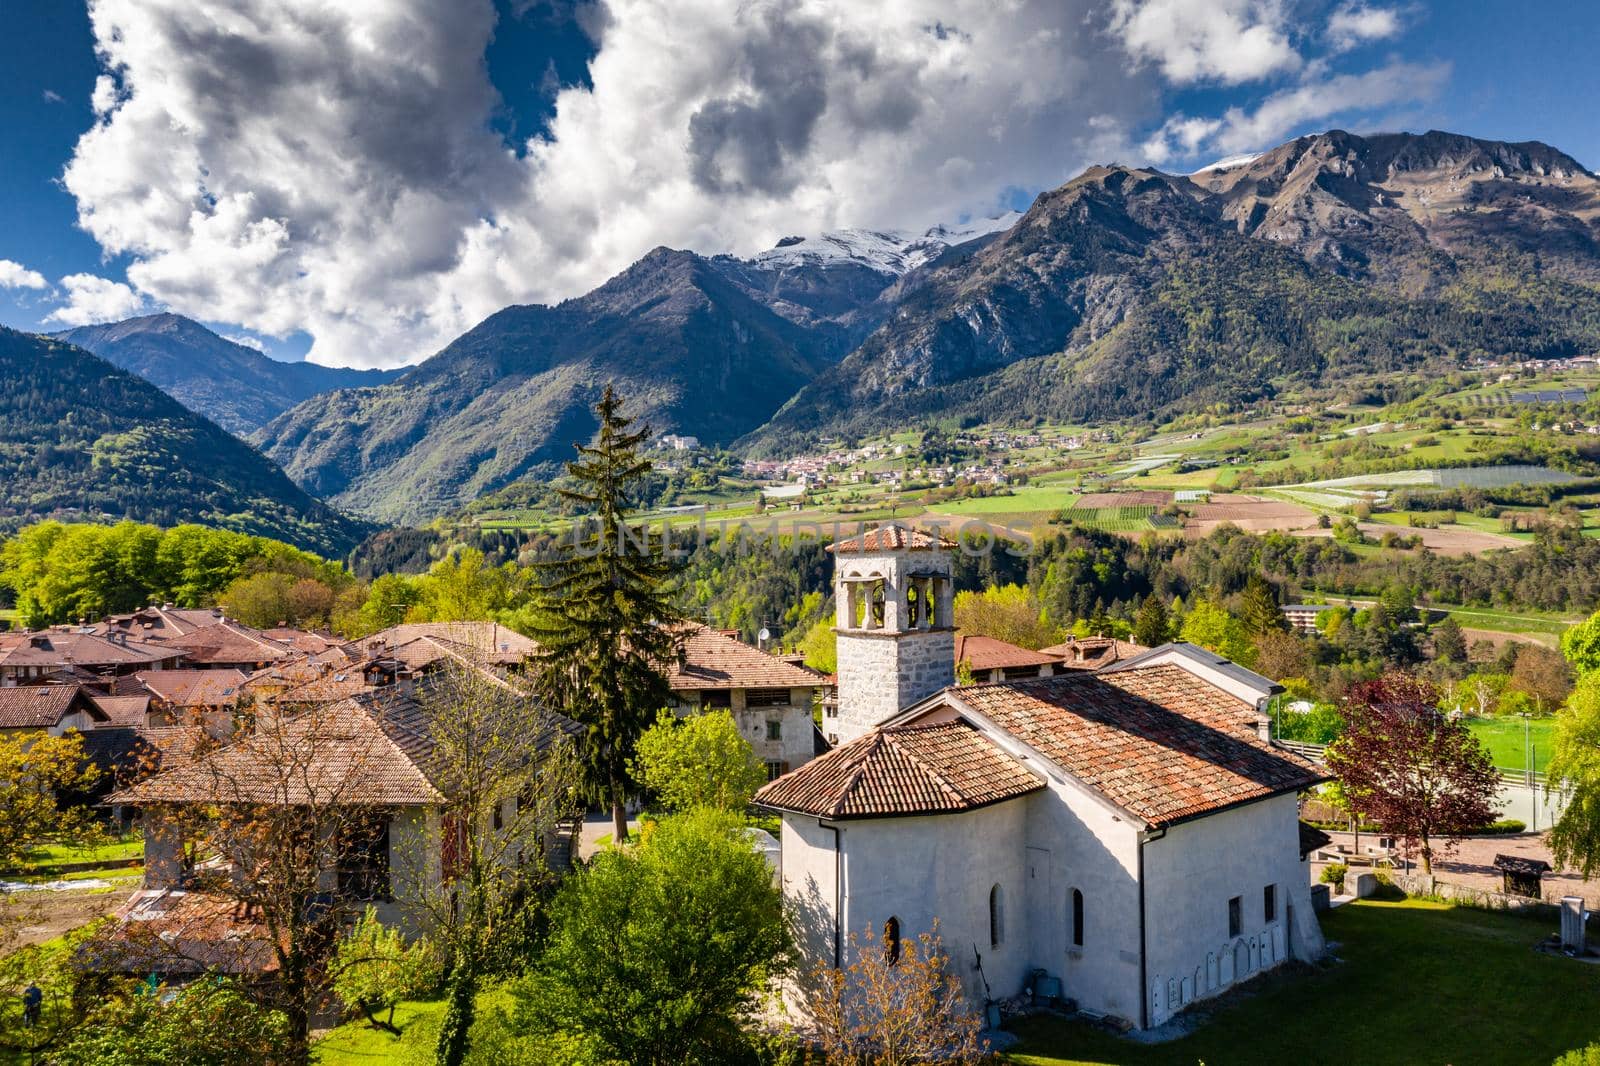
(769, 697)
(1128, 830)
(992, 659)
(371, 757)
(48, 709)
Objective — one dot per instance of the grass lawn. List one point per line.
(1420, 983)
(1025, 499)
(1504, 739)
(116, 851)
(357, 1042)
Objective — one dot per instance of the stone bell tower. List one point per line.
(892, 587)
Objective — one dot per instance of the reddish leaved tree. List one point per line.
(1410, 767)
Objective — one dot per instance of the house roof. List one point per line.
(891, 538)
(1156, 741)
(906, 770)
(1311, 839)
(990, 653)
(1206, 660)
(712, 660)
(374, 748)
(42, 706)
(194, 688)
(179, 931)
(124, 710)
(1091, 653)
(1520, 864)
(65, 646)
(480, 640)
(155, 623)
(230, 642)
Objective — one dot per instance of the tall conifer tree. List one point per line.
(604, 617)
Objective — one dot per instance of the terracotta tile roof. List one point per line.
(230, 642)
(712, 660)
(124, 710)
(63, 646)
(1091, 653)
(907, 770)
(334, 752)
(482, 640)
(1157, 741)
(891, 538)
(372, 748)
(991, 653)
(194, 688)
(160, 623)
(42, 706)
(301, 640)
(1311, 839)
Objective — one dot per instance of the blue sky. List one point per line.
(364, 186)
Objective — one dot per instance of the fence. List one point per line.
(1525, 795)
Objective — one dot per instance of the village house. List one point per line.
(64, 653)
(48, 709)
(769, 697)
(1091, 653)
(1128, 830)
(992, 659)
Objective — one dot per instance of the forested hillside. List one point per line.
(80, 438)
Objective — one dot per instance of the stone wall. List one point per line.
(880, 674)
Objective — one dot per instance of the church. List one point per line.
(1131, 831)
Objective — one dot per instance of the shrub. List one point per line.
(1584, 1056)
(1334, 874)
(1505, 826)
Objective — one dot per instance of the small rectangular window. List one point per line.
(1235, 917)
(766, 697)
(1269, 903)
(716, 697)
(776, 769)
(774, 730)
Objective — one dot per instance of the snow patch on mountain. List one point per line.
(886, 251)
(1230, 162)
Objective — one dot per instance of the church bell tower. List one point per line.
(892, 589)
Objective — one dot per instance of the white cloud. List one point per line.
(284, 164)
(1227, 41)
(91, 299)
(1292, 110)
(246, 340)
(13, 275)
(52, 97)
(1356, 24)
(1180, 137)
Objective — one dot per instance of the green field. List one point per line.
(1414, 983)
(1504, 737)
(1113, 519)
(1027, 499)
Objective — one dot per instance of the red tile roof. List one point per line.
(63, 646)
(990, 653)
(230, 642)
(908, 770)
(194, 688)
(891, 538)
(124, 710)
(1091, 653)
(478, 640)
(1157, 741)
(713, 661)
(42, 706)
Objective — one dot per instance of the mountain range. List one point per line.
(81, 439)
(235, 386)
(1125, 293)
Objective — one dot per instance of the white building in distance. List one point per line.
(1130, 831)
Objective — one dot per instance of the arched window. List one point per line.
(997, 932)
(877, 605)
(1077, 918)
(891, 940)
(913, 605)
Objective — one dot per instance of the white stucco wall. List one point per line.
(1190, 875)
(1076, 840)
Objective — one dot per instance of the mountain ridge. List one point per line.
(232, 384)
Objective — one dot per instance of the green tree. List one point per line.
(1581, 645)
(1152, 625)
(1449, 645)
(820, 646)
(1209, 625)
(1259, 610)
(657, 951)
(374, 969)
(36, 769)
(1575, 767)
(1007, 612)
(698, 761)
(204, 1023)
(603, 612)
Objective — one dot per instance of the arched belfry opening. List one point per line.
(894, 591)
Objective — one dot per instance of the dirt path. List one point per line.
(46, 915)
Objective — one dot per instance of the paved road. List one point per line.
(595, 827)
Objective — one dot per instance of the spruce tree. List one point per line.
(1152, 626)
(603, 615)
(1259, 609)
